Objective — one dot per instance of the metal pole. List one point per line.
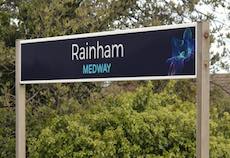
(203, 91)
(20, 108)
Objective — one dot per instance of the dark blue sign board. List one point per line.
(164, 52)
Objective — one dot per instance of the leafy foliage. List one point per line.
(7, 133)
(133, 124)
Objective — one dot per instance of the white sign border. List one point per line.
(107, 33)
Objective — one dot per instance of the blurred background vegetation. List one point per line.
(119, 119)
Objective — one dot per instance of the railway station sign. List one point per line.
(164, 52)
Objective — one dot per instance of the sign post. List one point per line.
(20, 108)
(153, 53)
(203, 92)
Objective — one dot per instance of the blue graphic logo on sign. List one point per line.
(182, 52)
